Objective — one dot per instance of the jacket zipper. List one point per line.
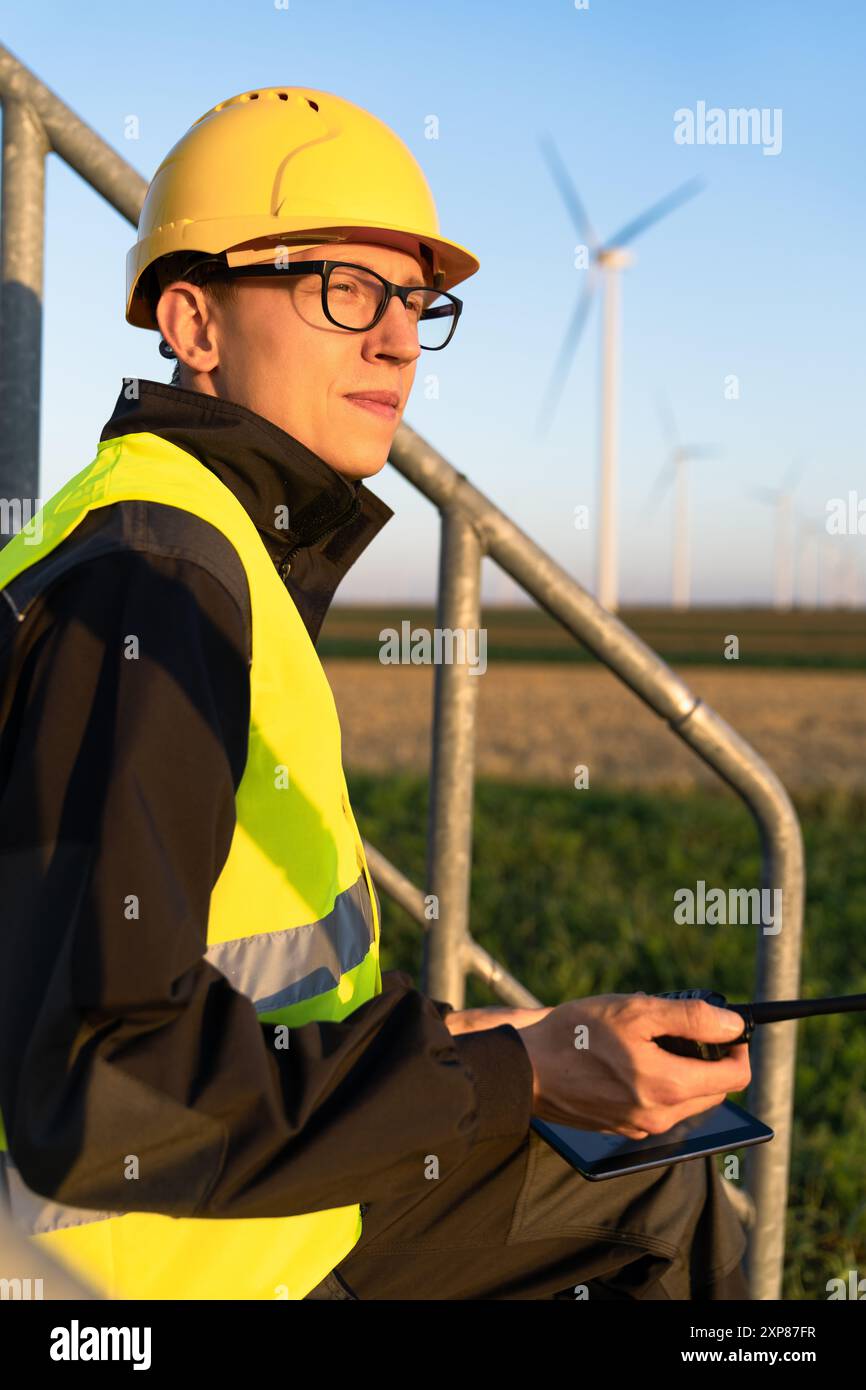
(349, 515)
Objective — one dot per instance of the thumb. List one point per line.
(695, 1018)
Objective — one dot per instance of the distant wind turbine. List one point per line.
(782, 498)
(676, 471)
(851, 589)
(605, 261)
(809, 553)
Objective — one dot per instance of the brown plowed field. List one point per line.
(537, 721)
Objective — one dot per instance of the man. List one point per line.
(208, 1087)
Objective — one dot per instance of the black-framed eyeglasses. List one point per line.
(355, 297)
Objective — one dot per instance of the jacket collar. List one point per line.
(332, 519)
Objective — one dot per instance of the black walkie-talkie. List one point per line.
(767, 1011)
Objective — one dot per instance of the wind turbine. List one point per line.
(676, 471)
(809, 548)
(833, 571)
(605, 260)
(781, 498)
(850, 596)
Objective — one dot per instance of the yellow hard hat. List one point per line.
(276, 162)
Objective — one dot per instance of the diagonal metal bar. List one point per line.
(75, 141)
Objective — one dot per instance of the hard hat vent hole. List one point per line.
(283, 96)
(314, 104)
(254, 97)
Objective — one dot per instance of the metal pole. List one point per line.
(35, 121)
(22, 221)
(773, 1050)
(452, 779)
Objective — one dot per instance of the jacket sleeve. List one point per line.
(120, 760)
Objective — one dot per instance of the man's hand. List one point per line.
(476, 1020)
(595, 1064)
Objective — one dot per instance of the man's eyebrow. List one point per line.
(403, 283)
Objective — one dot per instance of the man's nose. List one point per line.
(396, 333)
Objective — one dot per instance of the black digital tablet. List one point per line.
(597, 1156)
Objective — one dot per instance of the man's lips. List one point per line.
(382, 403)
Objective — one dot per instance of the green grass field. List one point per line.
(823, 638)
(574, 893)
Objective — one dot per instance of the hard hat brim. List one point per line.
(226, 234)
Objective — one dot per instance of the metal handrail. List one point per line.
(36, 122)
(773, 1051)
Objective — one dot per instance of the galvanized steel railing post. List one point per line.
(452, 780)
(773, 1051)
(22, 223)
(35, 123)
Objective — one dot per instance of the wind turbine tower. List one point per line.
(604, 262)
(676, 472)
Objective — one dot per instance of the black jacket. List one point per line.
(117, 1037)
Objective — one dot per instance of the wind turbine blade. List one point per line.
(793, 474)
(656, 213)
(568, 192)
(701, 451)
(566, 354)
(668, 424)
(660, 487)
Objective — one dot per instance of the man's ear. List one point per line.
(187, 323)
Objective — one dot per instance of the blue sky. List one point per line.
(759, 277)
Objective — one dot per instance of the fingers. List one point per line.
(669, 1115)
(691, 1018)
(696, 1078)
(627, 1132)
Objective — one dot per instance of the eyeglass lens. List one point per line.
(354, 297)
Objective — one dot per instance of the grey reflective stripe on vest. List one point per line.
(273, 969)
(278, 968)
(34, 1215)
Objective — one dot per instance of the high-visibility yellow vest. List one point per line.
(293, 919)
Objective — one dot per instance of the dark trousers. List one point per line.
(521, 1223)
